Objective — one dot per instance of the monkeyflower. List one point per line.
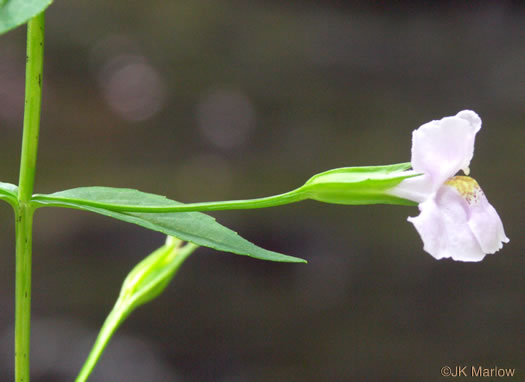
(456, 220)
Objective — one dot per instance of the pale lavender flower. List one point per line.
(456, 220)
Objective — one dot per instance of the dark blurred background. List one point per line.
(214, 100)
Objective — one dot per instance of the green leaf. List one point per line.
(358, 185)
(194, 227)
(14, 13)
(9, 193)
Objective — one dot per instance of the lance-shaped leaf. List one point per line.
(14, 13)
(194, 227)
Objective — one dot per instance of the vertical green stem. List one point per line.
(24, 222)
(33, 97)
(24, 211)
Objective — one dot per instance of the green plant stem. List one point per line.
(123, 307)
(24, 210)
(24, 222)
(111, 324)
(33, 98)
(270, 201)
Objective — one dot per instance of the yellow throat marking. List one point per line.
(467, 187)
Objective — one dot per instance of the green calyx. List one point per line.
(358, 185)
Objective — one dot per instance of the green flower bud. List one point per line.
(151, 276)
(145, 282)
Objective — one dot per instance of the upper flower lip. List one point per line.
(442, 148)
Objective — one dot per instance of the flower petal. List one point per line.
(486, 226)
(442, 148)
(443, 225)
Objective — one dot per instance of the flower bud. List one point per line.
(151, 276)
